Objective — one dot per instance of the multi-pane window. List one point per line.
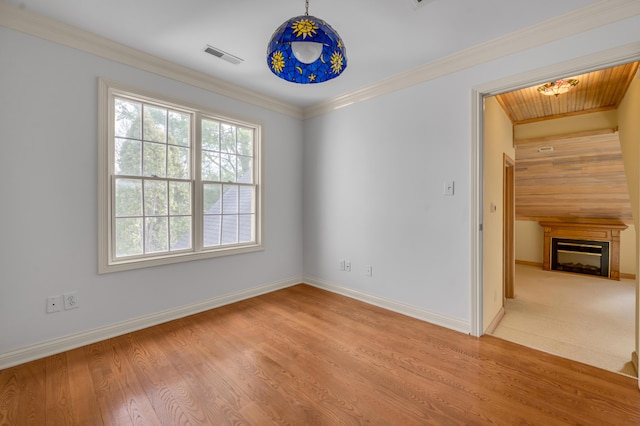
(151, 179)
(227, 181)
(178, 183)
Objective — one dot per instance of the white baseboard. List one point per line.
(401, 308)
(55, 346)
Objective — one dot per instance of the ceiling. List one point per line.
(383, 37)
(596, 91)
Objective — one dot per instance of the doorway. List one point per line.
(508, 231)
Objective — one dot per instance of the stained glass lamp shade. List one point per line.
(306, 50)
(558, 87)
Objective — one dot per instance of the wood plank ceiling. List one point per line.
(596, 91)
(578, 176)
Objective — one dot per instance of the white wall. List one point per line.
(628, 114)
(571, 124)
(529, 241)
(374, 174)
(48, 184)
(374, 180)
(498, 142)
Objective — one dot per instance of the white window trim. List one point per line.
(106, 264)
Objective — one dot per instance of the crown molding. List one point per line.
(587, 18)
(613, 57)
(590, 17)
(40, 26)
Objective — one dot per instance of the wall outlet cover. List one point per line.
(70, 300)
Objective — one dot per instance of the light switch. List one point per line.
(449, 187)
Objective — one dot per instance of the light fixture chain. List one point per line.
(306, 8)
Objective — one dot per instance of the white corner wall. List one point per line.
(48, 219)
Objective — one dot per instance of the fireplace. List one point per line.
(580, 256)
(587, 247)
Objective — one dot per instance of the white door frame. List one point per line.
(609, 58)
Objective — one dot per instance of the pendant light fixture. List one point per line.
(557, 87)
(306, 50)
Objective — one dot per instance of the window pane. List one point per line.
(179, 125)
(155, 160)
(212, 202)
(155, 198)
(230, 199)
(155, 124)
(178, 163)
(246, 228)
(245, 171)
(246, 203)
(210, 166)
(245, 141)
(128, 119)
(156, 234)
(211, 230)
(128, 237)
(227, 168)
(128, 197)
(228, 139)
(230, 229)
(179, 198)
(128, 157)
(210, 135)
(180, 232)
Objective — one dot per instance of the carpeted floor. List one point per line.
(586, 319)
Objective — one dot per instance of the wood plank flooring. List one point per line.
(303, 356)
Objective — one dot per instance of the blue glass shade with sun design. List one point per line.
(306, 50)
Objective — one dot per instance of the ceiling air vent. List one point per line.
(222, 55)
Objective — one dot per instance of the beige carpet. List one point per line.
(583, 318)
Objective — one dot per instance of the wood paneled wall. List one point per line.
(572, 176)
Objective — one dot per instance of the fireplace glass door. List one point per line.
(580, 256)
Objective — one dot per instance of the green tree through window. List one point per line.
(153, 171)
(160, 172)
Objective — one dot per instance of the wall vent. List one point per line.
(222, 55)
(545, 149)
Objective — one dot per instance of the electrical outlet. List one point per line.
(342, 265)
(70, 300)
(54, 304)
(368, 270)
(347, 266)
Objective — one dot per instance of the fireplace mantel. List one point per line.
(599, 230)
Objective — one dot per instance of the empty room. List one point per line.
(244, 212)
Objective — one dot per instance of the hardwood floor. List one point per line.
(303, 356)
